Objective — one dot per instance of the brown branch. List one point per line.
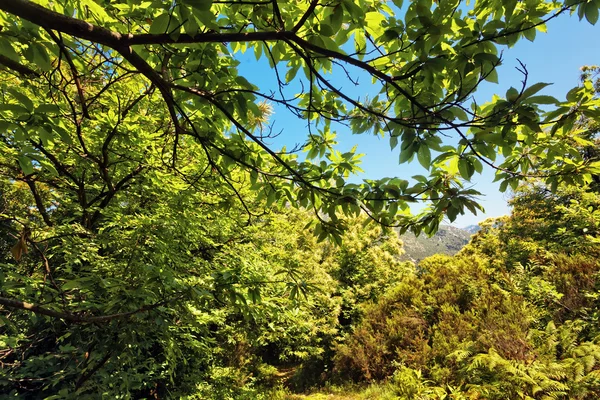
(22, 305)
(163, 38)
(49, 271)
(65, 52)
(145, 69)
(239, 126)
(504, 34)
(38, 201)
(360, 64)
(84, 377)
(309, 11)
(122, 42)
(49, 19)
(109, 196)
(61, 168)
(277, 15)
(84, 30)
(18, 67)
(123, 114)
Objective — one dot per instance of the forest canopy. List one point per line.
(81, 73)
(155, 244)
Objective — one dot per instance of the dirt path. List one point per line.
(321, 396)
(283, 376)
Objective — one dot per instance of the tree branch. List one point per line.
(65, 52)
(18, 67)
(84, 30)
(87, 375)
(109, 196)
(49, 19)
(309, 11)
(22, 305)
(516, 31)
(212, 37)
(38, 201)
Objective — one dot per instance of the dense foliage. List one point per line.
(514, 315)
(180, 301)
(154, 243)
(100, 65)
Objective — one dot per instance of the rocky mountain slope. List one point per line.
(448, 240)
(472, 229)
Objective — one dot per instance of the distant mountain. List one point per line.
(448, 240)
(472, 229)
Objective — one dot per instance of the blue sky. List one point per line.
(555, 57)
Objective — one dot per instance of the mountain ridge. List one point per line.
(448, 240)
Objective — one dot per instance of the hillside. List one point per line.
(448, 240)
(472, 229)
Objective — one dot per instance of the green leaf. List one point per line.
(390, 35)
(258, 50)
(377, 205)
(64, 135)
(354, 10)
(492, 76)
(581, 10)
(291, 73)
(530, 34)
(44, 135)
(16, 109)
(477, 165)
(393, 208)
(406, 154)
(336, 18)
(512, 94)
(21, 98)
(459, 113)
(465, 168)
(373, 23)
(48, 166)
(452, 213)
(40, 57)
(591, 12)
(360, 42)
(294, 291)
(207, 18)
(533, 89)
(531, 124)
(325, 29)
(202, 5)
(26, 165)
(160, 24)
(424, 156)
(47, 109)
(542, 99)
(7, 50)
